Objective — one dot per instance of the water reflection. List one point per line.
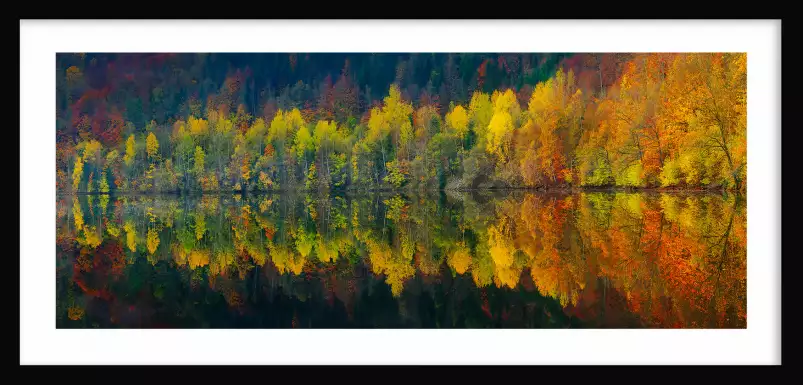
(519, 260)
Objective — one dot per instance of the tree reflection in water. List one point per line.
(387, 260)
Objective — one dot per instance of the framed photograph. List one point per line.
(548, 192)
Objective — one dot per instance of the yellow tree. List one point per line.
(325, 136)
(500, 136)
(506, 111)
(152, 146)
(457, 122)
(303, 145)
(198, 127)
(397, 113)
(552, 115)
(77, 173)
(130, 151)
(281, 134)
(480, 112)
(392, 122)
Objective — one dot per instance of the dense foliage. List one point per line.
(258, 122)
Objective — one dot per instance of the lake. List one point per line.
(399, 260)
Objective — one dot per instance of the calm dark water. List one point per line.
(386, 260)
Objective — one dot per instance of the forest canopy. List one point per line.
(330, 121)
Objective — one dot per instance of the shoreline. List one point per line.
(572, 190)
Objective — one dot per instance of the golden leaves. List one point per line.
(198, 258)
(201, 127)
(152, 240)
(151, 146)
(457, 120)
(131, 235)
(130, 150)
(75, 313)
(460, 259)
(500, 136)
(78, 171)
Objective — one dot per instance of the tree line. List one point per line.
(595, 121)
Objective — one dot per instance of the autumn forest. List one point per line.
(418, 190)
(268, 122)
